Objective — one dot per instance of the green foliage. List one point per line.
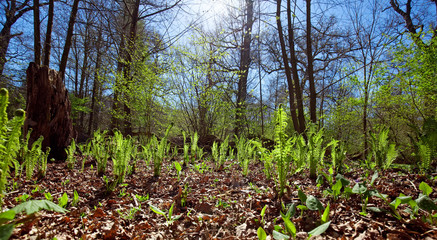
(194, 146)
(282, 148)
(338, 155)
(383, 152)
(63, 201)
(121, 155)
(10, 131)
(78, 105)
(159, 150)
(245, 151)
(7, 218)
(71, 150)
(316, 151)
(100, 151)
(169, 216)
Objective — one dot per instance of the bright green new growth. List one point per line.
(383, 152)
(194, 146)
(71, 150)
(338, 155)
(122, 149)
(316, 151)
(10, 132)
(282, 148)
(159, 150)
(99, 151)
(245, 150)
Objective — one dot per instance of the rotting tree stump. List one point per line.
(48, 110)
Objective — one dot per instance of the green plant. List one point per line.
(316, 151)
(122, 149)
(194, 146)
(366, 192)
(224, 148)
(7, 218)
(110, 185)
(85, 149)
(71, 150)
(131, 214)
(63, 201)
(10, 131)
(160, 151)
(178, 168)
(142, 198)
(282, 148)
(169, 216)
(299, 153)
(338, 155)
(245, 152)
(75, 198)
(100, 151)
(383, 152)
(23, 198)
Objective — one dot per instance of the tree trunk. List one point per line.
(48, 110)
(244, 69)
(64, 58)
(36, 33)
(291, 90)
(48, 41)
(310, 70)
(294, 71)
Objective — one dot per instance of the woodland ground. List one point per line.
(220, 204)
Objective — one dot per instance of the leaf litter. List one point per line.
(212, 204)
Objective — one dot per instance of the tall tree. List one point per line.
(48, 39)
(69, 37)
(37, 32)
(14, 10)
(245, 60)
(310, 70)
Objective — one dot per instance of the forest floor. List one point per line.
(219, 204)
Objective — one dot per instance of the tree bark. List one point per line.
(291, 90)
(37, 32)
(68, 39)
(48, 40)
(48, 110)
(294, 70)
(310, 70)
(244, 69)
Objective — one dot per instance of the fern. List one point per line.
(424, 152)
(338, 155)
(10, 132)
(99, 151)
(194, 146)
(32, 157)
(282, 148)
(383, 152)
(316, 151)
(161, 150)
(71, 150)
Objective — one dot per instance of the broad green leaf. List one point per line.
(336, 188)
(157, 210)
(376, 209)
(359, 188)
(261, 234)
(343, 180)
(289, 226)
(302, 196)
(426, 189)
(177, 166)
(170, 212)
(374, 177)
(325, 215)
(7, 215)
(320, 229)
(313, 203)
(400, 200)
(6, 231)
(62, 201)
(291, 210)
(34, 206)
(263, 211)
(425, 203)
(279, 236)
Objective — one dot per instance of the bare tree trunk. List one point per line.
(96, 86)
(36, 33)
(67, 46)
(244, 68)
(291, 90)
(48, 40)
(294, 71)
(48, 110)
(310, 70)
